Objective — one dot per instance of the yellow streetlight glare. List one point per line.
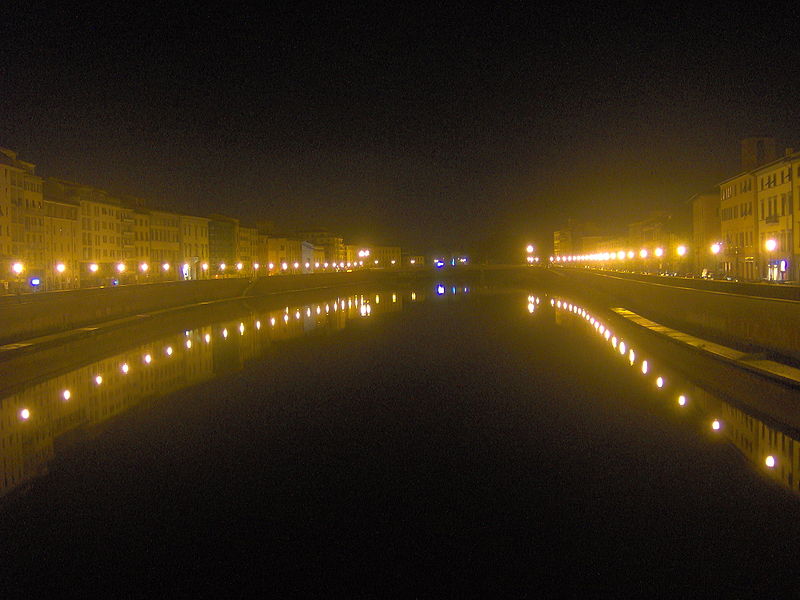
(681, 250)
(61, 267)
(770, 245)
(715, 248)
(529, 249)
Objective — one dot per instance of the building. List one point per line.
(739, 251)
(290, 255)
(61, 251)
(21, 221)
(562, 242)
(223, 237)
(141, 261)
(194, 247)
(332, 244)
(385, 256)
(414, 261)
(757, 151)
(246, 250)
(100, 228)
(774, 212)
(165, 244)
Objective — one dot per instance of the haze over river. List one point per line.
(421, 442)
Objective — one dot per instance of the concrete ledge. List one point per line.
(752, 362)
(735, 319)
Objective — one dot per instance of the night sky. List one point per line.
(443, 129)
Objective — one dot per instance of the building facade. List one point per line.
(739, 227)
(21, 221)
(223, 236)
(61, 252)
(194, 247)
(775, 213)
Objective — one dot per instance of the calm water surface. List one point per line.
(419, 442)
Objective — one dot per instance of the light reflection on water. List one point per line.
(33, 418)
(773, 452)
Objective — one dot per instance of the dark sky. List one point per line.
(432, 129)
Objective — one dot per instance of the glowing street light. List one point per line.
(642, 253)
(681, 250)
(770, 245)
(94, 267)
(144, 267)
(18, 268)
(529, 249)
(716, 248)
(61, 267)
(165, 266)
(239, 266)
(120, 267)
(659, 252)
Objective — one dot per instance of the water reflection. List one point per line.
(33, 418)
(774, 450)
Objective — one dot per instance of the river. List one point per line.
(445, 439)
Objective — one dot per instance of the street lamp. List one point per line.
(60, 268)
(772, 271)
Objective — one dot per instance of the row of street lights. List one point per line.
(644, 253)
(18, 268)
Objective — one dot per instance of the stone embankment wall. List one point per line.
(748, 320)
(30, 315)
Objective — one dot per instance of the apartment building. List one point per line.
(21, 219)
(739, 227)
(194, 247)
(775, 213)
